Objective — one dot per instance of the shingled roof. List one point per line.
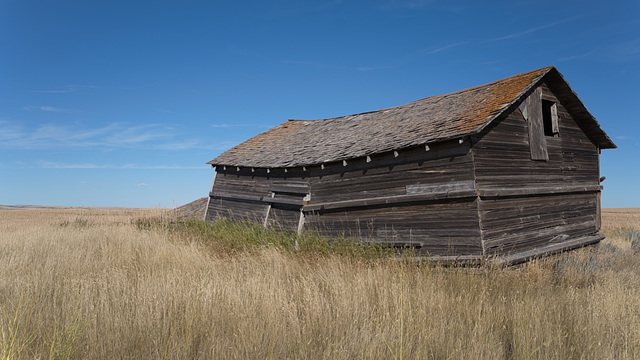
(310, 142)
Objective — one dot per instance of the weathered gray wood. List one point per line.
(285, 201)
(293, 189)
(441, 187)
(515, 224)
(538, 190)
(537, 141)
(284, 217)
(502, 154)
(442, 227)
(254, 198)
(554, 118)
(390, 200)
(549, 249)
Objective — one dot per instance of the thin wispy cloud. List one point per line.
(67, 89)
(312, 64)
(576, 57)
(164, 110)
(58, 165)
(443, 48)
(55, 165)
(406, 4)
(229, 126)
(63, 91)
(51, 109)
(624, 51)
(427, 52)
(533, 29)
(142, 185)
(110, 137)
(319, 65)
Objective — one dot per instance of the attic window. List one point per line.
(550, 118)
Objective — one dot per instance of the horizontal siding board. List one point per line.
(517, 224)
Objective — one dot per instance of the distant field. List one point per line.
(97, 283)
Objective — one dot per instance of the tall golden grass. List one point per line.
(109, 284)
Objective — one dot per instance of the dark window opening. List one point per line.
(550, 118)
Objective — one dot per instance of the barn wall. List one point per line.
(387, 200)
(437, 228)
(244, 195)
(541, 201)
(503, 159)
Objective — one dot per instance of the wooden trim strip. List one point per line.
(388, 200)
(295, 202)
(255, 198)
(538, 190)
(409, 198)
(292, 189)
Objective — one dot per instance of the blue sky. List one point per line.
(121, 103)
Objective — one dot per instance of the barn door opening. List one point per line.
(285, 210)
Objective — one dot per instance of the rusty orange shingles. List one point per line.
(500, 94)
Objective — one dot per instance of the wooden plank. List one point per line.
(285, 201)
(598, 212)
(388, 200)
(292, 189)
(538, 190)
(440, 187)
(254, 198)
(549, 249)
(235, 196)
(537, 140)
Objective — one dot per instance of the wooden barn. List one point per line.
(503, 171)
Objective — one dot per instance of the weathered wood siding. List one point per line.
(502, 156)
(436, 228)
(387, 174)
(252, 196)
(445, 226)
(502, 160)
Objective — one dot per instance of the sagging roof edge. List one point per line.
(460, 139)
(607, 143)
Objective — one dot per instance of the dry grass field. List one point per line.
(114, 284)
